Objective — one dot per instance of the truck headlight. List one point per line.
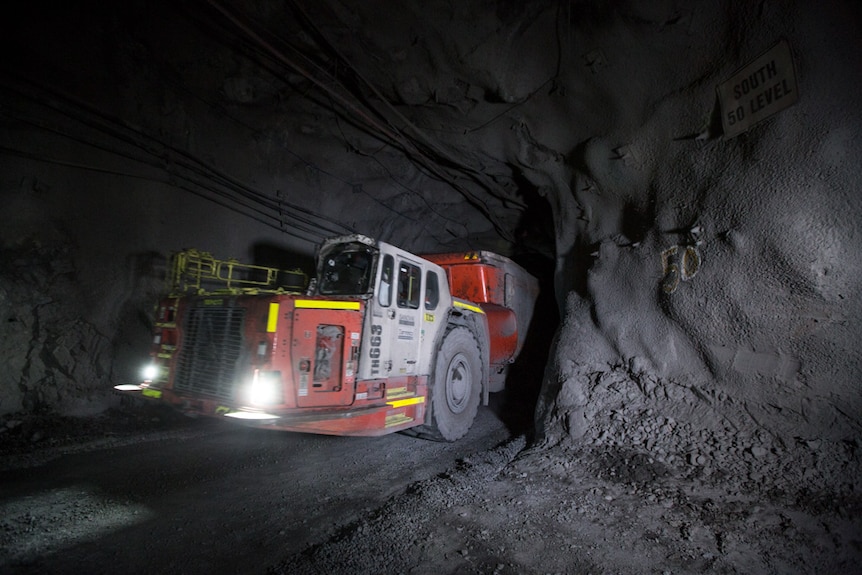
(266, 388)
(150, 372)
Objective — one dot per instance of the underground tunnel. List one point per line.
(679, 178)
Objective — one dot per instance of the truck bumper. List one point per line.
(369, 420)
(363, 421)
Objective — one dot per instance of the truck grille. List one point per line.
(211, 349)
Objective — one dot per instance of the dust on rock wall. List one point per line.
(712, 292)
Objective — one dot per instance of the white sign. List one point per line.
(757, 91)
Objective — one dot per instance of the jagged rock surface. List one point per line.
(586, 134)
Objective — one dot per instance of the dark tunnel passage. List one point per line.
(680, 177)
(535, 251)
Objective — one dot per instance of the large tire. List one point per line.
(456, 388)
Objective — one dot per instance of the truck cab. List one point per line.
(404, 297)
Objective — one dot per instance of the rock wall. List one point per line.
(744, 362)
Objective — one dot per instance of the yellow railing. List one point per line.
(193, 271)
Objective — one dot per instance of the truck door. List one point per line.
(325, 343)
(393, 340)
(406, 325)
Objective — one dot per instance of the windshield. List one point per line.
(346, 270)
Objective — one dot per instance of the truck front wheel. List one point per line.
(456, 388)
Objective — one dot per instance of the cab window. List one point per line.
(384, 293)
(346, 270)
(432, 290)
(409, 280)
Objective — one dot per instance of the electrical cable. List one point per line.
(399, 140)
(172, 156)
(196, 192)
(225, 113)
(440, 152)
(385, 168)
(164, 153)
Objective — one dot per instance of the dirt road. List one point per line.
(204, 497)
(163, 495)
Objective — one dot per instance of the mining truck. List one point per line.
(380, 340)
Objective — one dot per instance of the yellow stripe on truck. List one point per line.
(272, 320)
(408, 401)
(326, 304)
(397, 419)
(468, 306)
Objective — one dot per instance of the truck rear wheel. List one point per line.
(456, 388)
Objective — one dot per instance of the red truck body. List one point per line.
(361, 352)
